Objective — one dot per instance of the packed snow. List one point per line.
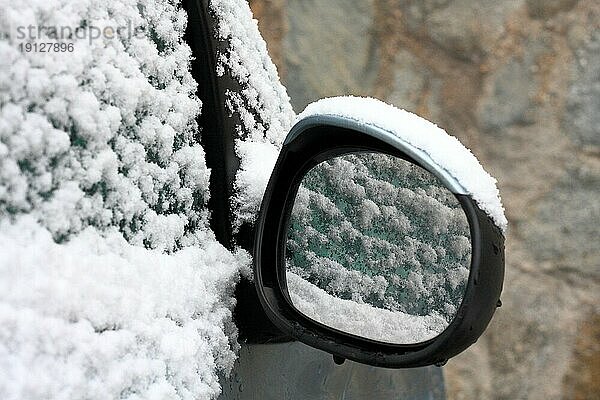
(379, 231)
(111, 283)
(445, 150)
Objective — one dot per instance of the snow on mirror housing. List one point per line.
(367, 249)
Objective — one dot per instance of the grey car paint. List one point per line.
(295, 371)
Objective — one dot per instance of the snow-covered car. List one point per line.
(169, 228)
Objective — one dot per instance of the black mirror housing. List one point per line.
(318, 138)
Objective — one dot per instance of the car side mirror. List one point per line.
(380, 237)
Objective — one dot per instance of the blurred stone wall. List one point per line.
(518, 81)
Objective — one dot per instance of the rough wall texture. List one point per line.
(518, 81)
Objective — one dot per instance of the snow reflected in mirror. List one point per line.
(377, 247)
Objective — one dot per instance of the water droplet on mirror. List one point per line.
(338, 360)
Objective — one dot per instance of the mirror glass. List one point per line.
(377, 247)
